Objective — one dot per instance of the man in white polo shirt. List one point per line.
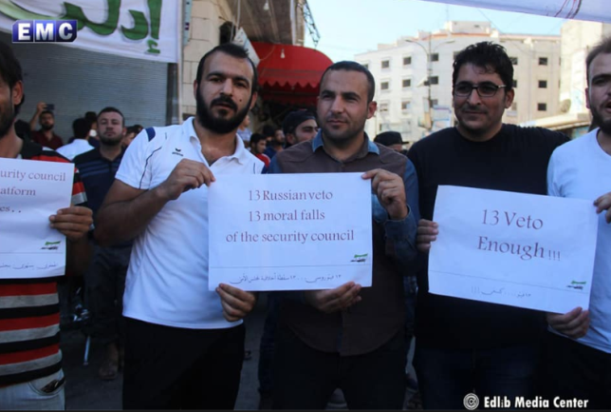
(184, 345)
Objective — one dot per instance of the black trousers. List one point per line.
(573, 370)
(175, 368)
(305, 378)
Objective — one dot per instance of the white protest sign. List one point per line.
(290, 231)
(30, 192)
(515, 249)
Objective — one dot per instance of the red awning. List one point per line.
(290, 74)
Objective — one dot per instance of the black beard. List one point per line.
(46, 127)
(604, 125)
(216, 125)
(110, 141)
(7, 117)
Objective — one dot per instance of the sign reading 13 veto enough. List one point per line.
(516, 249)
(290, 232)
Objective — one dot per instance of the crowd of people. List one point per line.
(137, 229)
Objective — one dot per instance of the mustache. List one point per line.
(226, 100)
(474, 109)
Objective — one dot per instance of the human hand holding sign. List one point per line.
(333, 300)
(390, 190)
(236, 302)
(74, 222)
(427, 232)
(188, 174)
(573, 324)
(604, 203)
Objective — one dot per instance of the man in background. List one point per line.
(45, 136)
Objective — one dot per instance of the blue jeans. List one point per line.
(31, 396)
(445, 376)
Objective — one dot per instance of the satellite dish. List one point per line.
(565, 106)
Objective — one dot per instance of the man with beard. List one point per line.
(31, 376)
(45, 136)
(350, 338)
(184, 345)
(299, 126)
(466, 346)
(578, 350)
(105, 280)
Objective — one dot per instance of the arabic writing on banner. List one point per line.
(131, 28)
(515, 249)
(594, 10)
(290, 232)
(30, 192)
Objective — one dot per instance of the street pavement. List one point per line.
(84, 390)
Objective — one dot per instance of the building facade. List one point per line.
(415, 73)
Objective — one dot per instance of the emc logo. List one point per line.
(44, 31)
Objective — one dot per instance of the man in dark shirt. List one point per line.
(45, 136)
(349, 337)
(105, 280)
(468, 346)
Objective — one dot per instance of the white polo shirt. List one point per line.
(167, 279)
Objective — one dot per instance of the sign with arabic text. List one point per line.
(290, 231)
(30, 192)
(141, 29)
(530, 251)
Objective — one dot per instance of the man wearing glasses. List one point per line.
(467, 346)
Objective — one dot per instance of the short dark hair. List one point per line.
(489, 56)
(81, 127)
(604, 47)
(233, 50)
(354, 67)
(10, 70)
(256, 138)
(91, 116)
(389, 138)
(135, 129)
(110, 109)
(47, 112)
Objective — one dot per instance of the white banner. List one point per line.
(594, 10)
(142, 29)
(30, 192)
(530, 251)
(290, 231)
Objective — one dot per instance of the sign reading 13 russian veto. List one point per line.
(44, 31)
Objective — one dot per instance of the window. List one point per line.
(514, 60)
(542, 84)
(515, 83)
(366, 65)
(384, 107)
(407, 83)
(542, 107)
(435, 102)
(542, 61)
(434, 80)
(384, 86)
(435, 57)
(385, 64)
(406, 105)
(514, 106)
(407, 60)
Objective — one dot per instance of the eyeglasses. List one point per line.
(485, 89)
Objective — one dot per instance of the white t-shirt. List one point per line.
(167, 279)
(77, 147)
(581, 169)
